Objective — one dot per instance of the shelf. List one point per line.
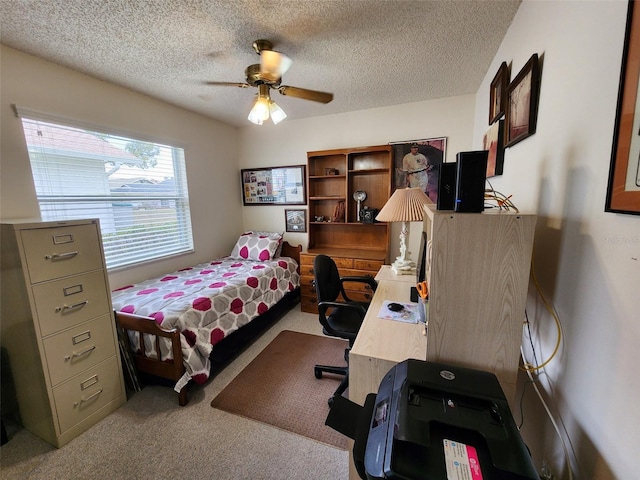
(329, 197)
(325, 177)
(368, 171)
(359, 224)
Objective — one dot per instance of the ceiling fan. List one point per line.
(266, 76)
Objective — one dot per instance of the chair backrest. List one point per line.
(327, 278)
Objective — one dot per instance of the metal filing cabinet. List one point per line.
(58, 327)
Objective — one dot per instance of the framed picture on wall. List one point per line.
(417, 164)
(522, 103)
(295, 220)
(498, 93)
(493, 141)
(274, 186)
(623, 191)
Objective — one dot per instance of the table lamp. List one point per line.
(405, 205)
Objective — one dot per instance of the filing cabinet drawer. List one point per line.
(66, 302)
(62, 251)
(87, 393)
(306, 259)
(72, 351)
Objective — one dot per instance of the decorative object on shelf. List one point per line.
(295, 220)
(338, 212)
(623, 191)
(405, 205)
(359, 196)
(368, 215)
(274, 185)
(522, 103)
(493, 141)
(331, 171)
(419, 167)
(498, 93)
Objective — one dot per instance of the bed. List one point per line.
(178, 325)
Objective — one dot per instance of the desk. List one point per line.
(381, 343)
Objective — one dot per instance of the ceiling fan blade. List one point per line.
(313, 95)
(229, 84)
(273, 65)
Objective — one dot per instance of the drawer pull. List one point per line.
(64, 308)
(88, 399)
(79, 354)
(61, 256)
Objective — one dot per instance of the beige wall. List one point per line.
(210, 149)
(587, 261)
(289, 142)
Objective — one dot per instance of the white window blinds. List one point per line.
(137, 189)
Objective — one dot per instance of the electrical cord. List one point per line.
(527, 366)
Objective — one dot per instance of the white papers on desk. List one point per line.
(409, 314)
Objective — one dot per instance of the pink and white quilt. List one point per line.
(206, 303)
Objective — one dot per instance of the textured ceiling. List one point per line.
(369, 53)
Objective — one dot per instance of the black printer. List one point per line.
(434, 422)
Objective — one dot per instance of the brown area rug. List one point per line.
(279, 387)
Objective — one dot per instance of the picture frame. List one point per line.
(522, 103)
(295, 221)
(498, 93)
(493, 141)
(623, 188)
(433, 150)
(274, 186)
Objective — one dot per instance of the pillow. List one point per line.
(255, 247)
(272, 235)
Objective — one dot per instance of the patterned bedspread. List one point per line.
(206, 303)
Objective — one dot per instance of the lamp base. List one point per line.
(403, 267)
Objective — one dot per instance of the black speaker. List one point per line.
(471, 174)
(446, 186)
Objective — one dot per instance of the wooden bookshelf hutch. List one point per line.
(358, 248)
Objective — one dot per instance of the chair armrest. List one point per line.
(363, 279)
(360, 279)
(324, 306)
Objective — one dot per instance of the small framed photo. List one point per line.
(296, 220)
(522, 103)
(498, 93)
(493, 141)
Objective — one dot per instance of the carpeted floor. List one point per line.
(152, 437)
(279, 387)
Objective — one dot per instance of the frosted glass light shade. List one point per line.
(277, 113)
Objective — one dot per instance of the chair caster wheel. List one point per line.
(330, 402)
(318, 373)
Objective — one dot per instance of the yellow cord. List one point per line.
(527, 366)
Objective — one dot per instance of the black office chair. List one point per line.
(338, 319)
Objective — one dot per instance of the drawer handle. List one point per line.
(61, 256)
(79, 354)
(71, 307)
(88, 399)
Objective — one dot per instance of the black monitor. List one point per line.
(421, 266)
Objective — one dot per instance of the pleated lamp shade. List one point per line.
(405, 205)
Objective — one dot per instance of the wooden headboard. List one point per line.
(289, 250)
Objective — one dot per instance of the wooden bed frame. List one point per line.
(173, 370)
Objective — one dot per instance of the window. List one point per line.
(136, 188)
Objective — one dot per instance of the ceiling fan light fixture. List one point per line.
(277, 113)
(260, 110)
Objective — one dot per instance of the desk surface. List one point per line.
(381, 343)
(388, 339)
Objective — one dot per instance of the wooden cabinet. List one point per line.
(347, 266)
(478, 272)
(58, 327)
(358, 248)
